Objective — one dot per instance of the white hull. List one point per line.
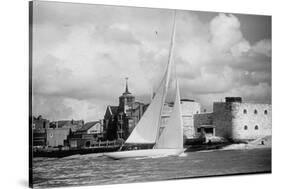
(144, 153)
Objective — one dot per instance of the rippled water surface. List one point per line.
(94, 169)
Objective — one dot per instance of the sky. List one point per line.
(82, 53)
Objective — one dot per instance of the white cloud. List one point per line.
(225, 32)
(263, 47)
(80, 61)
(240, 48)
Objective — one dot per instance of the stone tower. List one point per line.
(126, 100)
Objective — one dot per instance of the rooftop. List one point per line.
(88, 125)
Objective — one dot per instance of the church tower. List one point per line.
(126, 100)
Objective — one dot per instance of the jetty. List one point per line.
(99, 147)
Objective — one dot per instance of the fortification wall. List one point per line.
(222, 119)
(202, 119)
(251, 121)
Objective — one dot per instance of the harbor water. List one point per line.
(95, 169)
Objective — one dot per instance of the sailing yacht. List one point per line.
(170, 141)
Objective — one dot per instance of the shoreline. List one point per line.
(229, 147)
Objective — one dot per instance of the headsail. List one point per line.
(146, 130)
(172, 135)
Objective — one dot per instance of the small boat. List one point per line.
(166, 142)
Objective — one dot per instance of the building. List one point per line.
(39, 126)
(87, 136)
(39, 123)
(119, 121)
(74, 125)
(56, 137)
(110, 122)
(189, 109)
(236, 120)
(93, 127)
(39, 138)
(203, 125)
(53, 134)
(58, 132)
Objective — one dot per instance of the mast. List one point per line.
(147, 129)
(167, 76)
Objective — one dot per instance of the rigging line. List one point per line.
(170, 56)
(167, 78)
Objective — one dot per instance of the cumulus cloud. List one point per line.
(240, 48)
(263, 47)
(225, 32)
(80, 60)
(224, 63)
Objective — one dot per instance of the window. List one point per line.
(245, 111)
(197, 112)
(265, 112)
(256, 111)
(256, 127)
(88, 144)
(245, 127)
(51, 135)
(209, 130)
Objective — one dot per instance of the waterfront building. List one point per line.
(56, 137)
(110, 122)
(39, 123)
(52, 134)
(88, 135)
(39, 126)
(39, 138)
(235, 120)
(120, 120)
(93, 127)
(203, 125)
(74, 125)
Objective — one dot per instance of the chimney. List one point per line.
(233, 99)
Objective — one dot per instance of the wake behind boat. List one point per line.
(145, 153)
(166, 142)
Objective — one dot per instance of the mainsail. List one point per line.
(147, 129)
(170, 141)
(172, 135)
